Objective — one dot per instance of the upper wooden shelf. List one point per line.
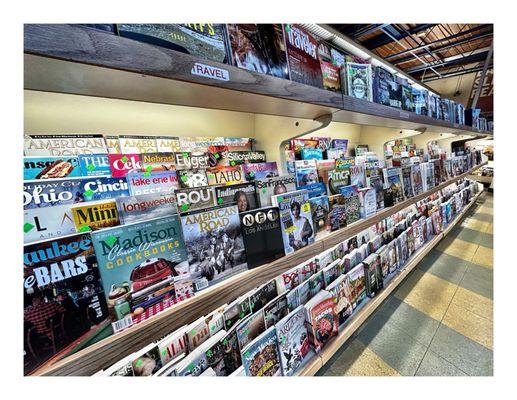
(79, 60)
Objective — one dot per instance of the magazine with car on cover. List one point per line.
(203, 40)
(194, 199)
(152, 182)
(262, 236)
(293, 340)
(63, 145)
(295, 219)
(265, 188)
(260, 357)
(147, 206)
(259, 47)
(62, 295)
(214, 244)
(243, 195)
(252, 172)
(143, 267)
(302, 57)
(51, 167)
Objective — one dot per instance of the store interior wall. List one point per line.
(449, 87)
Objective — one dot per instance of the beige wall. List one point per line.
(448, 86)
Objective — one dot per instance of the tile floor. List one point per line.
(439, 321)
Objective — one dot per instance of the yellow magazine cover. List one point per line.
(95, 215)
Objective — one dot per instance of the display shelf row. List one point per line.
(316, 363)
(79, 60)
(98, 356)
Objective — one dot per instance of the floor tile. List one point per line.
(473, 302)
(399, 350)
(358, 360)
(457, 248)
(402, 316)
(483, 217)
(434, 365)
(475, 224)
(473, 236)
(480, 280)
(465, 354)
(490, 229)
(484, 256)
(427, 293)
(471, 325)
(486, 210)
(446, 267)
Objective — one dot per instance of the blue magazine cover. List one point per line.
(50, 167)
(143, 267)
(260, 357)
(37, 194)
(94, 165)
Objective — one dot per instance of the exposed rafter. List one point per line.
(384, 39)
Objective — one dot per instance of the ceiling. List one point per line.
(426, 51)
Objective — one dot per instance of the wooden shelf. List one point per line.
(312, 367)
(79, 60)
(100, 355)
(481, 178)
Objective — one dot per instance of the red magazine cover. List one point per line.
(324, 323)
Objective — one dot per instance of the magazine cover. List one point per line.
(416, 179)
(275, 310)
(295, 219)
(265, 188)
(95, 215)
(357, 284)
(374, 179)
(255, 171)
(316, 283)
(122, 164)
(368, 199)
(191, 160)
(214, 245)
(262, 236)
(263, 295)
(236, 311)
(358, 78)
(338, 178)
(167, 144)
(63, 145)
(373, 274)
(259, 47)
(152, 182)
(94, 165)
(47, 193)
(361, 150)
(304, 66)
(242, 195)
(173, 345)
(297, 145)
(243, 157)
(112, 144)
(331, 77)
(393, 179)
(306, 173)
(62, 295)
(260, 357)
(357, 176)
(47, 223)
(232, 354)
(148, 206)
(312, 154)
(249, 328)
(191, 178)
(188, 200)
(320, 209)
(293, 340)
(381, 86)
(337, 214)
(323, 168)
(406, 182)
(143, 267)
(51, 167)
(289, 279)
(322, 321)
(352, 203)
(340, 289)
(203, 40)
(137, 144)
(155, 162)
(226, 175)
